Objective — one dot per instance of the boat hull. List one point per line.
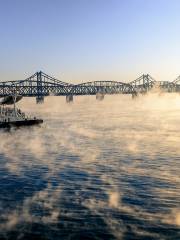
(28, 122)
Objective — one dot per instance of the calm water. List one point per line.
(93, 170)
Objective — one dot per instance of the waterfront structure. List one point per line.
(40, 85)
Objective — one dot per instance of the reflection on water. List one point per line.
(93, 170)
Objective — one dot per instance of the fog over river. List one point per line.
(93, 170)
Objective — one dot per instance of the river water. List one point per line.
(94, 170)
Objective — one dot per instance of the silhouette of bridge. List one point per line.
(40, 85)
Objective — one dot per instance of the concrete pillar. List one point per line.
(134, 95)
(99, 96)
(39, 99)
(69, 98)
(144, 93)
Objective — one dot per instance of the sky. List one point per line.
(88, 40)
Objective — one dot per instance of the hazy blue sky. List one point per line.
(80, 40)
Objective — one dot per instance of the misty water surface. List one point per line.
(94, 170)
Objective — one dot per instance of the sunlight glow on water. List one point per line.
(93, 170)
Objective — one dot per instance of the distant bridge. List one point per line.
(40, 85)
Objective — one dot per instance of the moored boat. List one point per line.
(14, 117)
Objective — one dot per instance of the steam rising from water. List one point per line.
(115, 160)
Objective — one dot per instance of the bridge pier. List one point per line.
(69, 98)
(134, 95)
(99, 96)
(39, 99)
(144, 93)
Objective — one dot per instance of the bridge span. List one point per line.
(40, 85)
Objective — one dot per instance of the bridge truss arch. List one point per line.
(40, 85)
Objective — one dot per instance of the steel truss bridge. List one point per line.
(40, 85)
